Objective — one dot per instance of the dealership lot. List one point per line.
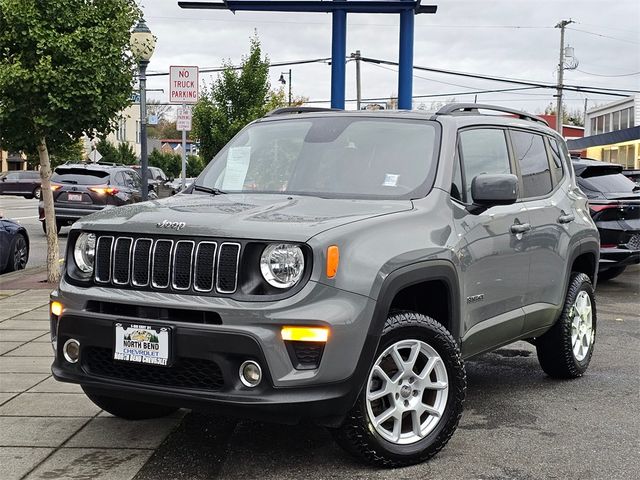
(518, 424)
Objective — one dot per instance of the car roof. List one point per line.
(92, 166)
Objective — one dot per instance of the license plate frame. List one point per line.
(142, 344)
(74, 197)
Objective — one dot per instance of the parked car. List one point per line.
(14, 246)
(157, 180)
(339, 267)
(633, 175)
(82, 189)
(614, 203)
(176, 184)
(24, 183)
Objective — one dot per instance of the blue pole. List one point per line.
(338, 58)
(405, 62)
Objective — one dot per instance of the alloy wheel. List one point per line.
(20, 253)
(407, 392)
(581, 326)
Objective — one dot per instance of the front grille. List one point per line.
(162, 264)
(184, 373)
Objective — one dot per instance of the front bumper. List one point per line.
(285, 394)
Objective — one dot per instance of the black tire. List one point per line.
(19, 254)
(357, 434)
(554, 348)
(44, 227)
(610, 273)
(37, 193)
(128, 409)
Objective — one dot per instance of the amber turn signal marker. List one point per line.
(333, 259)
(305, 334)
(56, 308)
(55, 187)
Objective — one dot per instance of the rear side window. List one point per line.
(556, 160)
(531, 154)
(80, 176)
(483, 150)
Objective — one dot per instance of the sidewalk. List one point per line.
(50, 430)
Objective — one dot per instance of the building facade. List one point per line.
(612, 133)
(127, 131)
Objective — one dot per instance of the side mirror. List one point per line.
(489, 190)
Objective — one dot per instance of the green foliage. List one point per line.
(70, 152)
(64, 69)
(164, 129)
(170, 163)
(122, 154)
(235, 98)
(195, 165)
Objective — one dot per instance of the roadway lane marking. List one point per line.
(24, 218)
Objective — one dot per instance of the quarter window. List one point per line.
(531, 154)
(483, 150)
(556, 163)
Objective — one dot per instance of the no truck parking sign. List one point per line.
(183, 84)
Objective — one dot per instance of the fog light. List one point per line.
(56, 308)
(71, 350)
(250, 374)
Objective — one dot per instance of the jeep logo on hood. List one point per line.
(172, 225)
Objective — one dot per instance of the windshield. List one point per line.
(329, 157)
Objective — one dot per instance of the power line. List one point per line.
(603, 75)
(234, 67)
(603, 36)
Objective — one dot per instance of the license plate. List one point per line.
(142, 344)
(74, 197)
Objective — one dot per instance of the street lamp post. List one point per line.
(283, 82)
(143, 43)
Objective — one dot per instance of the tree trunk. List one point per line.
(53, 262)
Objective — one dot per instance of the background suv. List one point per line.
(25, 183)
(340, 267)
(614, 203)
(82, 189)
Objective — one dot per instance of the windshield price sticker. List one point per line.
(238, 159)
(142, 344)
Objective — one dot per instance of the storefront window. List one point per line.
(616, 120)
(600, 124)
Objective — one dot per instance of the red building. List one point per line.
(568, 131)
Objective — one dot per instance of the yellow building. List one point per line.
(612, 133)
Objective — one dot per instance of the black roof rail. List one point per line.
(286, 110)
(454, 108)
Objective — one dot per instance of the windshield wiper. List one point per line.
(212, 191)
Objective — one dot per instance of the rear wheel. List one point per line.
(128, 409)
(565, 351)
(37, 193)
(610, 273)
(19, 254)
(413, 398)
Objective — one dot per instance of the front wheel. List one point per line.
(128, 409)
(412, 401)
(566, 349)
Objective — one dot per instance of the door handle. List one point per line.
(564, 218)
(520, 228)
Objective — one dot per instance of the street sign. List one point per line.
(183, 119)
(153, 120)
(183, 84)
(95, 156)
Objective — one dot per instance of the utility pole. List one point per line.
(584, 115)
(356, 56)
(559, 115)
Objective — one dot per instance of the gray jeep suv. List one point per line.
(340, 267)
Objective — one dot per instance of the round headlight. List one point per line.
(85, 251)
(282, 265)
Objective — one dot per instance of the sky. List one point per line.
(511, 38)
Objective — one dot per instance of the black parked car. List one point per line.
(82, 189)
(157, 180)
(614, 202)
(24, 183)
(14, 246)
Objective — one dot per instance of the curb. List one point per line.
(29, 278)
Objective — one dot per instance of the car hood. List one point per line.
(249, 216)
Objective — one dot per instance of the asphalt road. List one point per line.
(25, 212)
(518, 424)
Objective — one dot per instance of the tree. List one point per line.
(170, 163)
(122, 154)
(64, 70)
(234, 99)
(573, 116)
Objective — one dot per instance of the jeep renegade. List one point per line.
(340, 267)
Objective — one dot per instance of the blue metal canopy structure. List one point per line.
(407, 9)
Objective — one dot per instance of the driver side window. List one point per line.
(483, 150)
